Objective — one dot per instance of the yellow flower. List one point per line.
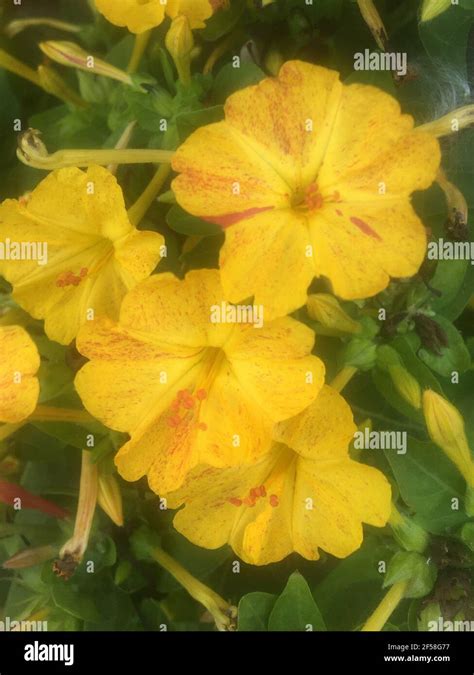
(142, 15)
(306, 494)
(188, 385)
(309, 177)
(72, 252)
(19, 388)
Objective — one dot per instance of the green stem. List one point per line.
(385, 609)
(138, 210)
(19, 68)
(139, 47)
(343, 377)
(224, 614)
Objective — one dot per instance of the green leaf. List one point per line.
(188, 121)
(295, 609)
(230, 79)
(428, 482)
(223, 21)
(254, 611)
(184, 223)
(357, 577)
(454, 357)
(445, 38)
(449, 279)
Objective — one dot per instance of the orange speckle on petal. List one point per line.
(235, 501)
(202, 426)
(274, 500)
(201, 394)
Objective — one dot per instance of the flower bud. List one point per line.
(360, 353)
(433, 8)
(413, 568)
(29, 557)
(374, 22)
(109, 498)
(408, 533)
(72, 55)
(326, 309)
(180, 43)
(446, 428)
(406, 385)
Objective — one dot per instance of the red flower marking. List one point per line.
(274, 500)
(201, 394)
(232, 218)
(339, 212)
(366, 229)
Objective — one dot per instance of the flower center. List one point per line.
(311, 199)
(185, 408)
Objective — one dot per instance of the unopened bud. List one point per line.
(72, 55)
(30, 557)
(327, 310)
(409, 534)
(433, 8)
(109, 498)
(180, 43)
(418, 572)
(446, 428)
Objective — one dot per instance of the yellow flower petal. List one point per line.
(388, 236)
(287, 120)
(19, 388)
(331, 500)
(94, 255)
(196, 11)
(187, 390)
(382, 147)
(270, 361)
(321, 432)
(265, 256)
(137, 15)
(227, 185)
